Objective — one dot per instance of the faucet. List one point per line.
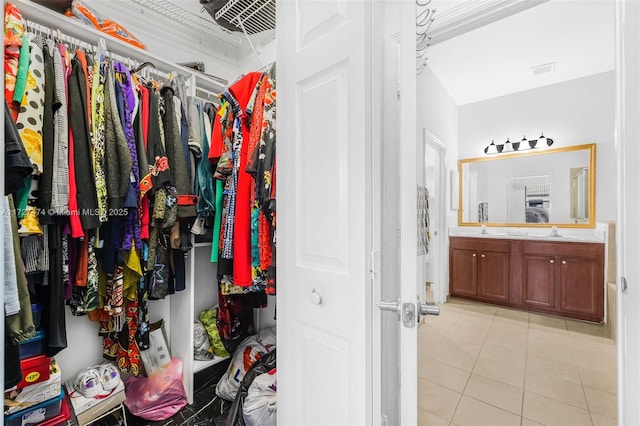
(554, 231)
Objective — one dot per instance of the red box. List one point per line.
(34, 370)
(65, 414)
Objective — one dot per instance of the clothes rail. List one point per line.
(118, 49)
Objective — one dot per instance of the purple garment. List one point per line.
(132, 221)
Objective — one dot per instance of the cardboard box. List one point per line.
(88, 409)
(19, 399)
(34, 370)
(38, 413)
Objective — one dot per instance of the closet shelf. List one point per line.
(73, 28)
(249, 16)
(201, 365)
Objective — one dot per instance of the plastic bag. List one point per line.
(267, 338)
(263, 365)
(260, 403)
(246, 354)
(201, 346)
(89, 17)
(209, 319)
(158, 396)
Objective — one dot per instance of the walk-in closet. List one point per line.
(138, 208)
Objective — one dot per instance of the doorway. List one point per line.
(434, 179)
(467, 333)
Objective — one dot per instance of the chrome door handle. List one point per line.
(389, 306)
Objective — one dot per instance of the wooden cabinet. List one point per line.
(480, 270)
(560, 278)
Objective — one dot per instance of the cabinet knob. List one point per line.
(483, 255)
(551, 261)
(564, 262)
(474, 255)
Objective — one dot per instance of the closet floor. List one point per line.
(207, 410)
(484, 365)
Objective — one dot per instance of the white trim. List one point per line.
(474, 14)
(441, 226)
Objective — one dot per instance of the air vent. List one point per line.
(543, 69)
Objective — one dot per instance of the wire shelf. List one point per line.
(249, 16)
(190, 19)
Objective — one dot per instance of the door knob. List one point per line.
(316, 298)
(427, 308)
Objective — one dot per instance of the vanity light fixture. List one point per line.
(523, 145)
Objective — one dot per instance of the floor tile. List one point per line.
(443, 374)
(470, 334)
(457, 354)
(602, 403)
(509, 338)
(555, 388)
(527, 422)
(436, 399)
(513, 314)
(495, 393)
(506, 373)
(542, 364)
(425, 418)
(471, 412)
(599, 420)
(550, 412)
(515, 357)
(559, 349)
(599, 380)
(544, 322)
(597, 357)
(587, 328)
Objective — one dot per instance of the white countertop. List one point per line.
(595, 235)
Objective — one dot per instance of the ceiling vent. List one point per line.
(543, 69)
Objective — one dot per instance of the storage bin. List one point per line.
(60, 419)
(36, 311)
(34, 370)
(33, 347)
(36, 414)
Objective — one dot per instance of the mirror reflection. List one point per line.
(552, 187)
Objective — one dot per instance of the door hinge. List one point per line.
(373, 264)
(623, 285)
(399, 376)
(398, 90)
(383, 420)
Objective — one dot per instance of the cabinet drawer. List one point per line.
(480, 244)
(590, 250)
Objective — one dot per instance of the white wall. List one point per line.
(437, 113)
(571, 113)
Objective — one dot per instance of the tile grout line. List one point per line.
(471, 372)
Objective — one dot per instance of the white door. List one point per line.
(397, 277)
(627, 230)
(324, 298)
(329, 340)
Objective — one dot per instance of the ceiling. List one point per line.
(576, 36)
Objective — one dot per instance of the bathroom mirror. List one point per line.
(533, 188)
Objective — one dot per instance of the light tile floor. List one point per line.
(482, 365)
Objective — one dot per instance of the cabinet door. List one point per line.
(493, 276)
(463, 272)
(581, 286)
(538, 287)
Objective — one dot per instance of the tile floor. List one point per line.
(484, 365)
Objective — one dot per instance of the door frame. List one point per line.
(440, 225)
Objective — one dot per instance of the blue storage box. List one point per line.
(36, 311)
(36, 414)
(33, 347)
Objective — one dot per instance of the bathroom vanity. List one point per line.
(557, 276)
